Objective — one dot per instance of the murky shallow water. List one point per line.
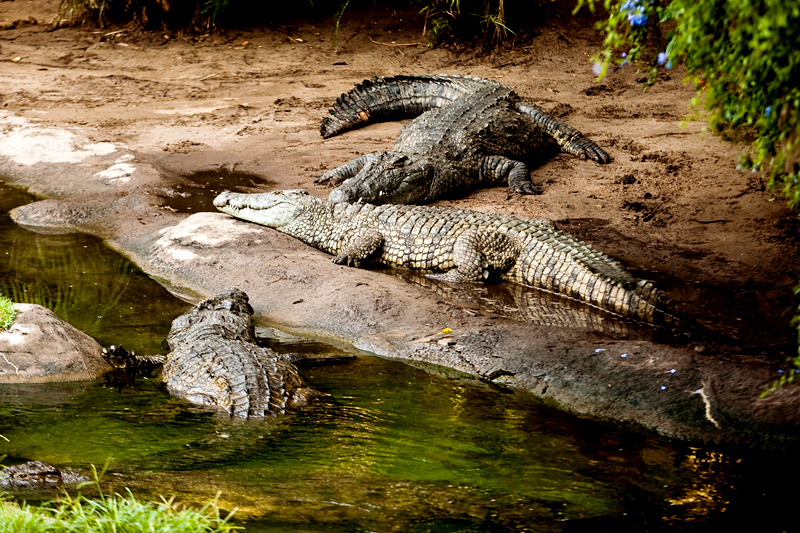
(396, 448)
(197, 191)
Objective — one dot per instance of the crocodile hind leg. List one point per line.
(568, 138)
(478, 254)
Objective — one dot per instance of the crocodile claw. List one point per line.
(527, 188)
(596, 153)
(328, 177)
(345, 259)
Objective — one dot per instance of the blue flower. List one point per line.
(637, 18)
(597, 68)
(624, 54)
(768, 111)
(669, 64)
(662, 58)
(636, 12)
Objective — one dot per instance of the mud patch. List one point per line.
(197, 195)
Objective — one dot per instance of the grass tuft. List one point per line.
(7, 312)
(111, 513)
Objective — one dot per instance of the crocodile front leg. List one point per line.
(568, 138)
(357, 245)
(348, 170)
(121, 359)
(497, 169)
(478, 254)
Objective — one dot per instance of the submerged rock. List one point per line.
(40, 347)
(36, 475)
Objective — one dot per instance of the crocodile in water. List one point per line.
(468, 131)
(457, 245)
(36, 475)
(214, 361)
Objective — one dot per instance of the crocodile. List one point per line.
(468, 131)
(214, 361)
(457, 245)
(37, 475)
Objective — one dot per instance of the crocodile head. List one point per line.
(273, 209)
(394, 178)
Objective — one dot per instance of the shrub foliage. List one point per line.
(743, 56)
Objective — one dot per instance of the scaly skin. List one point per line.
(468, 132)
(214, 361)
(456, 245)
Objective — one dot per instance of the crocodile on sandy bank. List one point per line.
(214, 361)
(38, 475)
(457, 245)
(468, 132)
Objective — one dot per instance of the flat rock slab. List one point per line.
(40, 347)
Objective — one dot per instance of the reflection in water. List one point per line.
(704, 493)
(537, 306)
(394, 449)
(85, 283)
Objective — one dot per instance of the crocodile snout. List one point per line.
(222, 199)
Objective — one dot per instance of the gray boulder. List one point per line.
(40, 347)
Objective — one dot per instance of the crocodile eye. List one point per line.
(21, 475)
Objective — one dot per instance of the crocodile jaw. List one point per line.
(272, 209)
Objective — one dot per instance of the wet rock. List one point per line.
(38, 475)
(40, 347)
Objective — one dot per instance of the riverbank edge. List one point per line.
(706, 397)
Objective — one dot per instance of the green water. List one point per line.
(93, 288)
(394, 448)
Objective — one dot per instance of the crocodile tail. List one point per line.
(651, 305)
(379, 99)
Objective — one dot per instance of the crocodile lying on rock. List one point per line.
(457, 245)
(36, 475)
(468, 131)
(214, 361)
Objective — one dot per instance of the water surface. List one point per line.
(393, 448)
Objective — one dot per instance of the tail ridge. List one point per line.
(391, 98)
